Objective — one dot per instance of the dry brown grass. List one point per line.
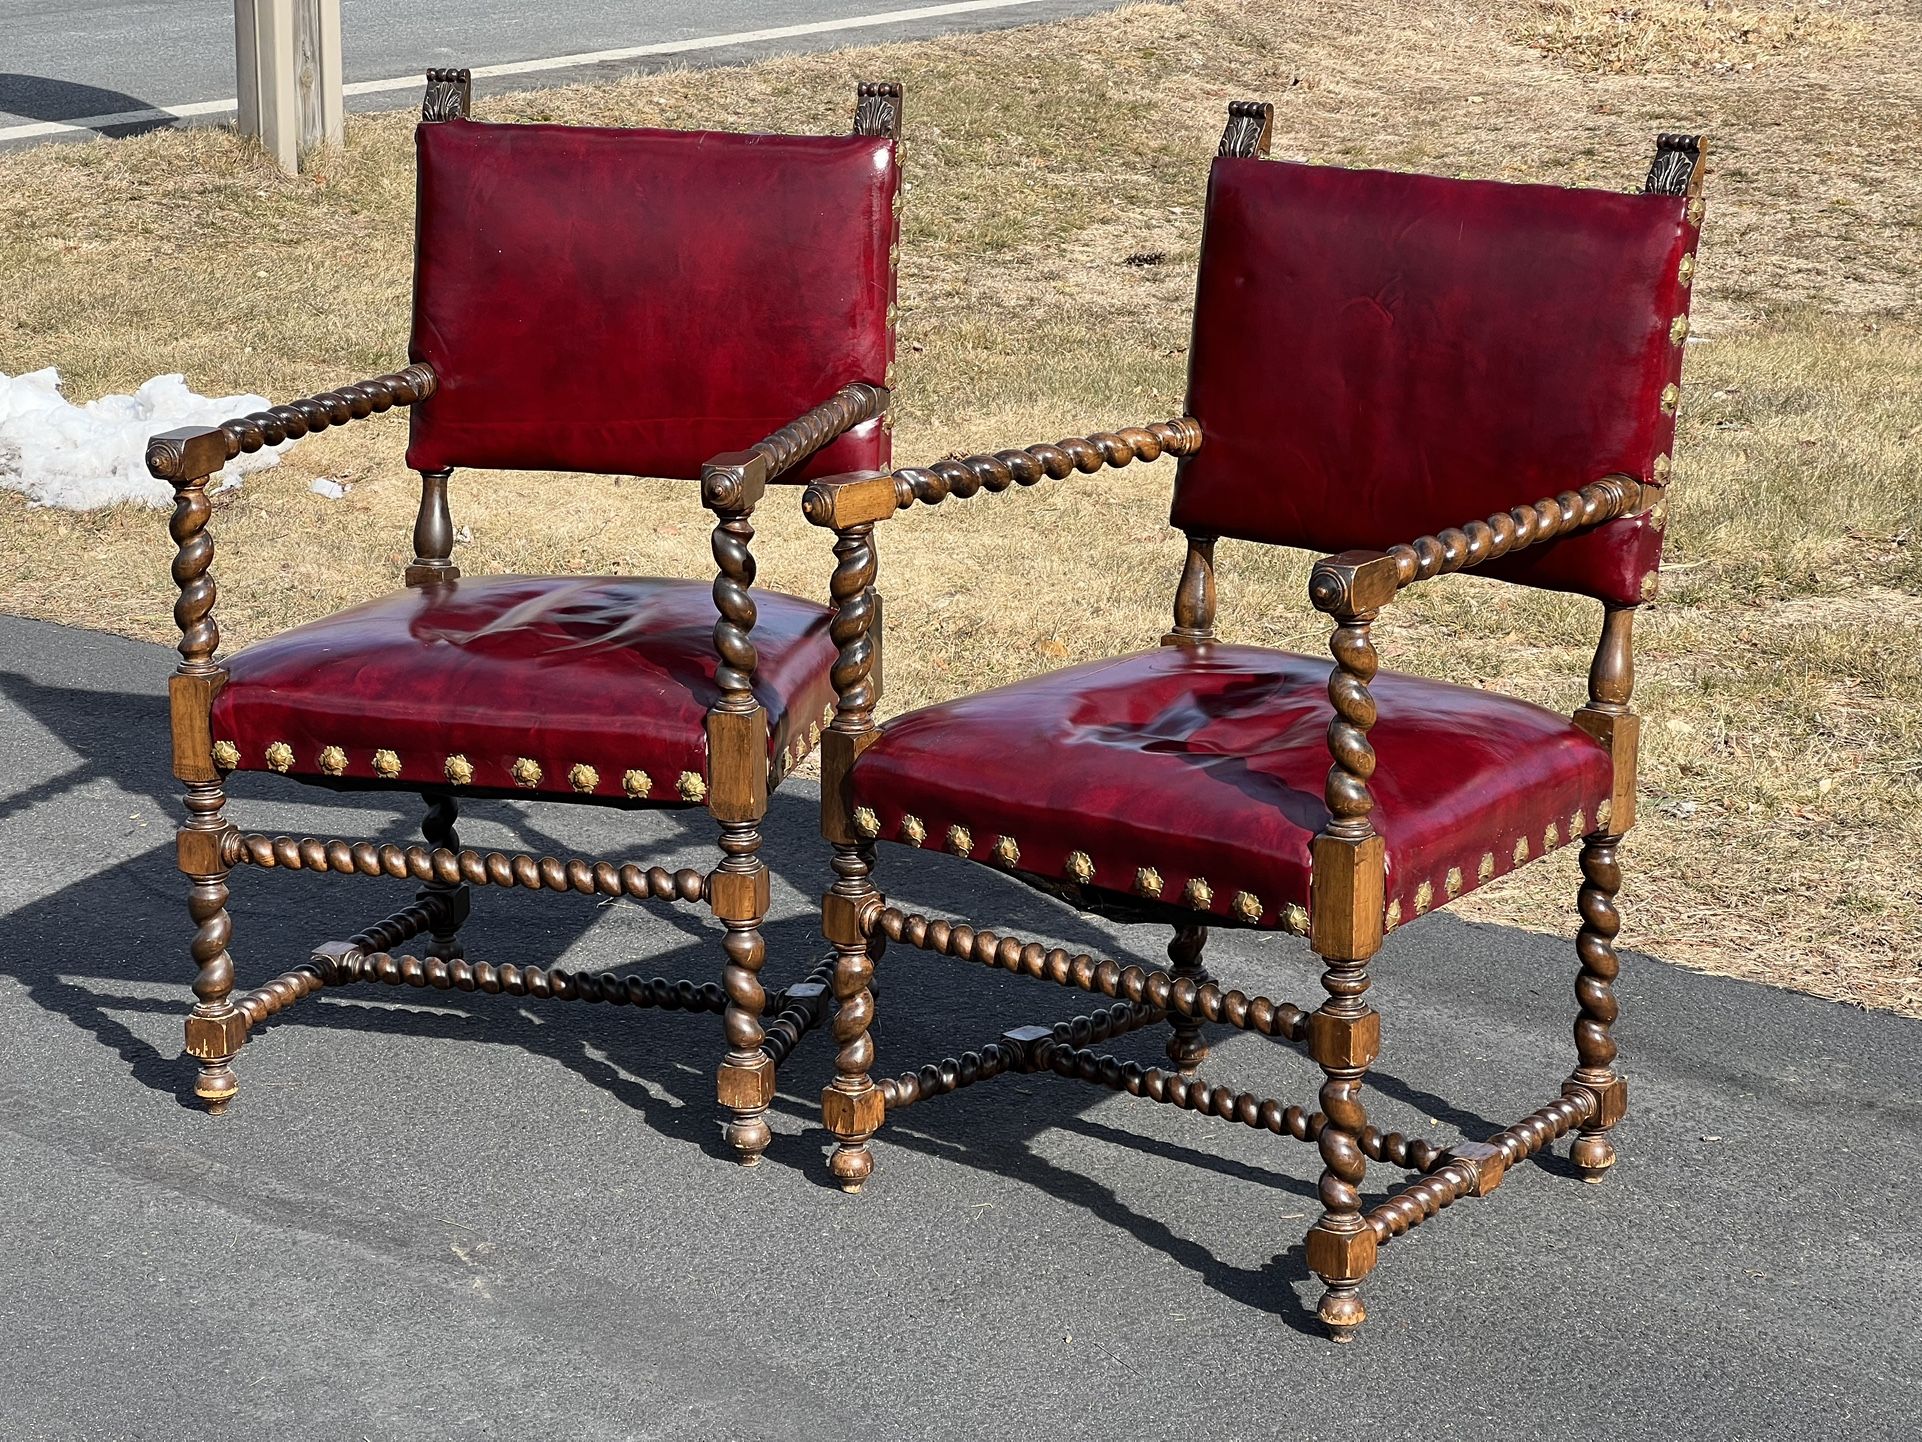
(1782, 673)
(1651, 36)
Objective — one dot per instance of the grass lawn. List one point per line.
(1055, 182)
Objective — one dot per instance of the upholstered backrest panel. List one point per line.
(636, 301)
(1379, 356)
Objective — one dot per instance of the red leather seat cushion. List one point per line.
(1378, 356)
(637, 301)
(1210, 762)
(611, 672)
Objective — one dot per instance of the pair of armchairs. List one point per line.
(1375, 357)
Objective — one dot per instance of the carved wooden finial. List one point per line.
(877, 108)
(1677, 167)
(450, 95)
(1250, 124)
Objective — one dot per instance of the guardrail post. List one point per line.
(288, 73)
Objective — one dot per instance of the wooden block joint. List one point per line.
(1344, 1042)
(215, 1037)
(1611, 1099)
(806, 993)
(190, 704)
(1027, 1042)
(845, 921)
(737, 764)
(839, 750)
(1485, 1161)
(1340, 1256)
(738, 895)
(852, 1114)
(198, 852)
(744, 1087)
(1347, 889)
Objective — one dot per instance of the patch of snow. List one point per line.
(79, 457)
(332, 490)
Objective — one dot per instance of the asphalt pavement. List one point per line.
(435, 1215)
(68, 68)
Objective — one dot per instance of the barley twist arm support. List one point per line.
(166, 456)
(1459, 547)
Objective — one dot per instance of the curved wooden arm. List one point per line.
(840, 501)
(195, 453)
(735, 480)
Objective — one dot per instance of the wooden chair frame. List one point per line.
(762, 1027)
(1347, 921)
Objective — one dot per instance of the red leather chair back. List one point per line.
(634, 302)
(1379, 356)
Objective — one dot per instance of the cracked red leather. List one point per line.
(635, 302)
(1207, 764)
(611, 673)
(1378, 356)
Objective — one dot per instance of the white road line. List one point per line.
(526, 67)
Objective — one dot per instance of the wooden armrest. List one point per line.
(840, 501)
(195, 453)
(735, 480)
(1358, 581)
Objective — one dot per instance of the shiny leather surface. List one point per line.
(612, 672)
(1210, 762)
(1379, 356)
(638, 301)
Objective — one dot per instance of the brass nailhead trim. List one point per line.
(894, 258)
(583, 777)
(1148, 881)
(1393, 919)
(866, 822)
(1685, 272)
(1671, 398)
(1695, 211)
(692, 786)
(1294, 916)
(279, 756)
(1603, 814)
(637, 783)
(960, 841)
(1247, 906)
(1521, 849)
(386, 763)
(1199, 893)
(1453, 884)
(458, 769)
(226, 755)
(1551, 837)
(895, 204)
(1651, 586)
(1662, 468)
(1424, 897)
(1081, 866)
(827, 715)
(526, 771)
(333, 760)
(1658, 514)
(1486, 870)
(912, 831)
(1007, 851)
(1578, 824)
(891, 315)
(887, 376)
(1678, 330)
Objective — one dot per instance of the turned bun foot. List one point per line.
(851, 1167)
(1592, 1156)
(1342, 1314)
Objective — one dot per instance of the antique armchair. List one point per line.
(1375, 357)
(600, 300)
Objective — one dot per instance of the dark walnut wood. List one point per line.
(450, 95)
(877, 108)
(1677, 166)
(1251, 124)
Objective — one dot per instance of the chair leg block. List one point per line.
(745, 1090)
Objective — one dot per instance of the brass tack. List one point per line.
(912, 831)
(1486, 870)
(1551, 837)
(895, 205)
(1081, 866)
(827, 714)
(387, 764)
(894, 257)
(1007, 851)
(1424, 897)
(1671, 398)
(1658, 514)
(637, 783)
(458, 769)
(960, 841)
(889, 317)
(226, 755)
(279, 756)
(582, 777)
(1294, 916)
(866, 822)
(1651, 586)
(1578, 824)
(1148, 881)
(333, 760)
(1603, 814)
(1685, 272)
(526, 771)
(1453, 883)
(1521, 849)
(1678, 330)
(1247, 906)
(1200, 894)
(692, 786)
(887, 377)
(1393, 918)
(1662, 468)
(1695, 210)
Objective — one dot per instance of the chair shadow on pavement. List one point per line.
(96, 950)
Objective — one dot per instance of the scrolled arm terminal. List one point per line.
(736, 480)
